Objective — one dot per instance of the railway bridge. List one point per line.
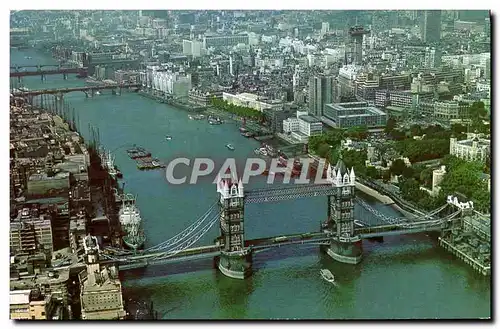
(89, 91)
(51, 69)
(340, 236)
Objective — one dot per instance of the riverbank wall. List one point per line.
(387, 200)
(181, 106)
(373, 193)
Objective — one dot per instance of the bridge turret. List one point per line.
(338, 179)
(235, 258)
(345, 246)
(330, 174)
(241, 192)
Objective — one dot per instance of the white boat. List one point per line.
(130, 220)
(230, 146)
(168, 137)
(97, 92)
(108, 162)
(327, 275)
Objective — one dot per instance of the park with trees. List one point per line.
(241, 111)
(432, 143)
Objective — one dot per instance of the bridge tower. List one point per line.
(345, 246)
(235, 260)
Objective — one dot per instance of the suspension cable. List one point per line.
(187, 231)
(186, 243)
(190, 242)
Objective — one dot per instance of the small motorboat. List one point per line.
(97, 92)
(230, 146)
(327, 275)
(168, 137)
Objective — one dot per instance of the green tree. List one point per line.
(408, 172)
(426, 177)
(324, 150)
(372, 172)
(391, 125)
(386, 176)
(397, 167)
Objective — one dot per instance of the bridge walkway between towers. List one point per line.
(284, 240)
(288, 193)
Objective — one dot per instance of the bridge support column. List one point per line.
(235, 260)
(59, 102)
(349, 250)
(19, 79)
(236, 265)
(65, 76)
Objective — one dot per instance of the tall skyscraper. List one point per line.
(356, 44)
(320, 93)
(431, 26)
(432, 58)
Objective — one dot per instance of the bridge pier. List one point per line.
(235, 261)
(349, 250)
(43, 77)
(65, 76)
(236, 265)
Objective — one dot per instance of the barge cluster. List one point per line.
(144, 159)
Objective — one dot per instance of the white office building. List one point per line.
(302, 127)
(252, 101)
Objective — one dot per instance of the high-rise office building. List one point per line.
(356, 34)
(320, 93)
(432, 58)
(431, 26)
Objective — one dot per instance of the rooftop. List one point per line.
(309, 119)
(18, 297)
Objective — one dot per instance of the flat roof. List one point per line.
(19, 297)
(309, 119)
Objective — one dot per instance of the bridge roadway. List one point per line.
(288, 193)
(35, 66)
(157, 258)
(45, 72)
(68, 90)
(317, 238)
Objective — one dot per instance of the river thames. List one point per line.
(404, 277)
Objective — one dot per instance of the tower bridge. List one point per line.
(340, 236)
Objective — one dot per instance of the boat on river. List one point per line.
(327, 275)
(131, 223)
(196, 117)
(230, 146)
(138, 152)
(168, 137)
